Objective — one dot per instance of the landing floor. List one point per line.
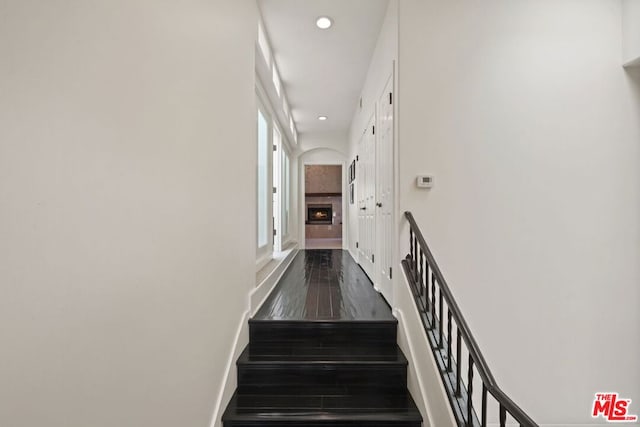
(324, 285)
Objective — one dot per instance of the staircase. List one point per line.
(433, 298)
(311, 373)
(322, 352)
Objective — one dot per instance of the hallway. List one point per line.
(152, 195)
(323, 351)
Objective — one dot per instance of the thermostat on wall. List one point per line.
(424, 181)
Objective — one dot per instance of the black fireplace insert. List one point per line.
(319, 215)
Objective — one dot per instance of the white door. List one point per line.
(384, 191)
(366, 199)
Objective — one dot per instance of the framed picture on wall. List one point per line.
(352, 171)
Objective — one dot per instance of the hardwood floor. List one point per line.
(322, 352)
(324, 285)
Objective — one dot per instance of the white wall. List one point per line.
(319, 156)
(120, 268)
(523, 113)
(631, 32)
(336, 141)
(380, 69)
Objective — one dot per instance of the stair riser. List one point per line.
(323, 333)
(345, 352)
(383, 378)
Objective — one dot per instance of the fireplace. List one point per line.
(319, 214)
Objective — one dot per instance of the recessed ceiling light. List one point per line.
(323, 118)
(324, 22)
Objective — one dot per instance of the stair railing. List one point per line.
(423, 273)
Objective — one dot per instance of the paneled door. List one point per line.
(384, 191)
(366, 176)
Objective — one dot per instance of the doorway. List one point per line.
(323, 206)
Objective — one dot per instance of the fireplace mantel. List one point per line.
(323, 194)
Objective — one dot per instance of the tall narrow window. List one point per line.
(276, 79)
(287, 188)
(264, 198)
(285, 107)
(277, 189)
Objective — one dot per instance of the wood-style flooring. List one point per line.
(324, 285)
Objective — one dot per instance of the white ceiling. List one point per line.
(323, 71)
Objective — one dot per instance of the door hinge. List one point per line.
(390, 98)
(356, 245)
(275, 190)
(274, 232)
(373, 258)
(275, 147)
(357, 158)
(390, 273)
(374, 130)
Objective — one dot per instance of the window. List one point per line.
(277, 189)
(276, 79)
(285, 107)
(281, 189)
(263, 195)
(286, 205)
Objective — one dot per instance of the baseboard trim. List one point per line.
(353, 255)
(438, 412)
(256, 298)
(412, 361)
(229, 381)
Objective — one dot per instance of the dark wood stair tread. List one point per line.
(362, 407)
